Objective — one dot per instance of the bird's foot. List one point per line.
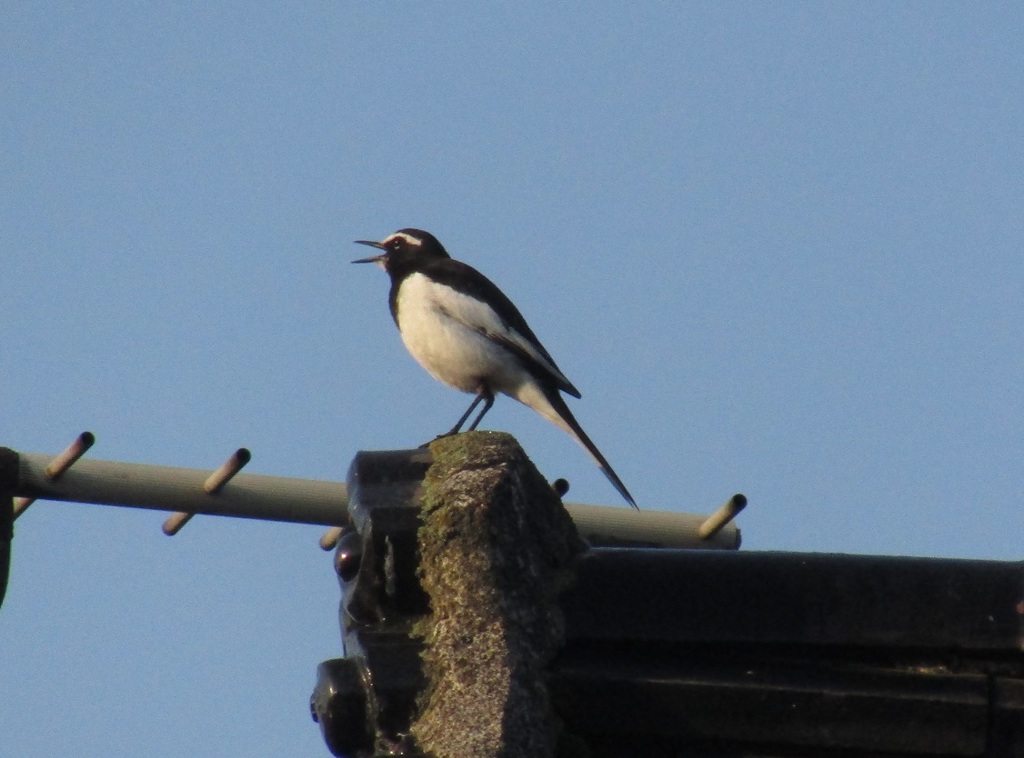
(452, 433)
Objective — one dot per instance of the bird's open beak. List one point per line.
(372, 258)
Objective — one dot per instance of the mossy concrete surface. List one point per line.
(496, 548)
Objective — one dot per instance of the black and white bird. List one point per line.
(467, 334)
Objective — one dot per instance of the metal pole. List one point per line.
(55, 468)
(162, 488)
(311, 501)
(717, 520)
(214, 484)
(604, 526)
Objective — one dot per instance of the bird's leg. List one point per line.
(488, 402)
(481, 394)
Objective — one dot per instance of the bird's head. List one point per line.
(403, 247)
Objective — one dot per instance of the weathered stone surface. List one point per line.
(496, 548)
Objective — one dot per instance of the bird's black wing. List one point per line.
(516, 336)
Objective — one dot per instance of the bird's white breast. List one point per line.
(437, 325)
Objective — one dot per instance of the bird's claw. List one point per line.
(438, 437)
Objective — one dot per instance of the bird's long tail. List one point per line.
(550, 405)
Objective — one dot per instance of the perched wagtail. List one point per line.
(467, 334)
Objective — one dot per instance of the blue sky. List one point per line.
(776, 246)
